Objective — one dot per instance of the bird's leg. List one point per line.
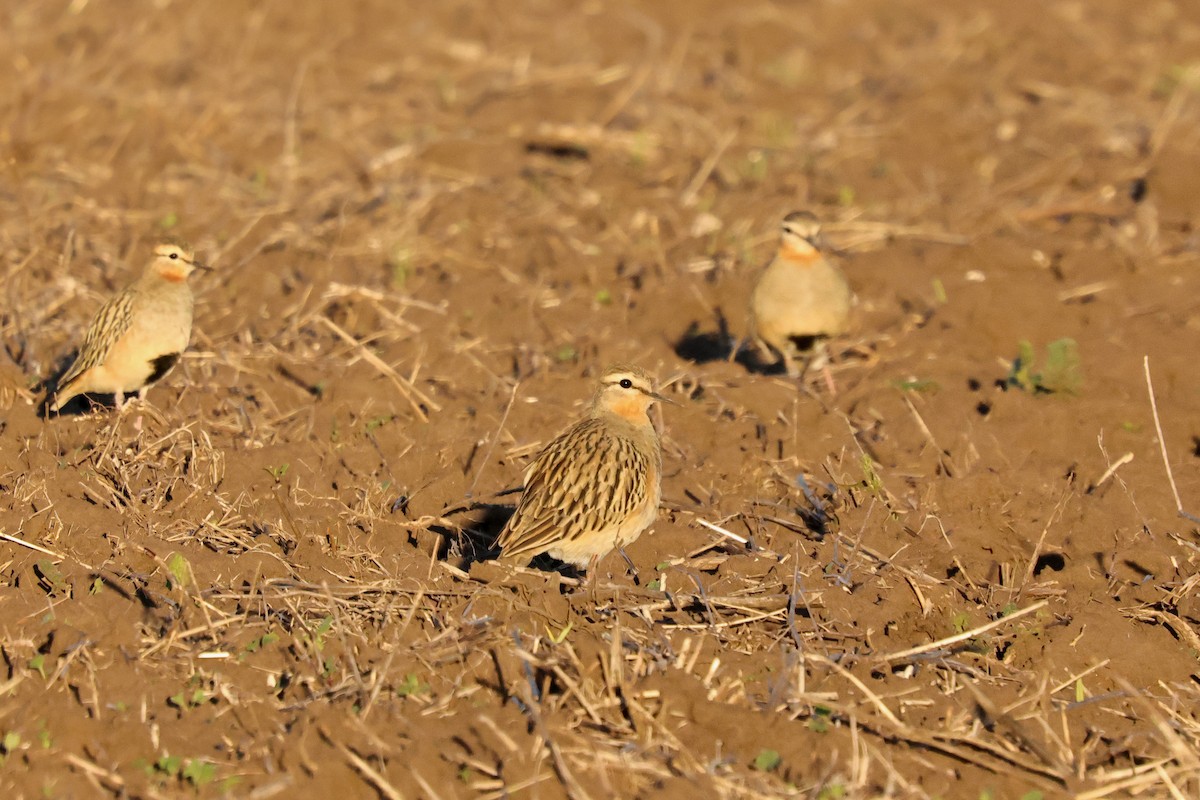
(821, 360)
(767, 356)
(591, 580)
(141, 404)
(632, 568)
(798, 365)
(794, 372)
(794, 362)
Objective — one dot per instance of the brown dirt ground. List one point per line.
(432, 224)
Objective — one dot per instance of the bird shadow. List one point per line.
(706, 346)
(475, 540)
(78, 405)
(49, 388)
(820, 513)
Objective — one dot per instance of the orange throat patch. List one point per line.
(796, 255)
(632, 409)
(173, 275)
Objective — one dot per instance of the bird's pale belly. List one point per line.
(136, 357)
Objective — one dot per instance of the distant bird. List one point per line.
(800, 295)
(138, 335)
(597, 485)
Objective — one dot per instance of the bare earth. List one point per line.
(432, 224)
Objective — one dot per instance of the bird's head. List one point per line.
(801, 233)
(626, 391)
(174, 263)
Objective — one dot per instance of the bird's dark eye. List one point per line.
(626, 383)
(173, 256)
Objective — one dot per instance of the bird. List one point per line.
(138, 335)
(596, 487)
(800, 295)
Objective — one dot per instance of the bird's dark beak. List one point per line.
(660, 398)
(198, 265)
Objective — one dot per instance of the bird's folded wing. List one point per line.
(110, 323)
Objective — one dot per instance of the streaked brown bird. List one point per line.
(597, 485)
(799, 295)
(138, 335)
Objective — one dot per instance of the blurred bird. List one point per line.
(800, 295)
(138, 335)
(595, 487)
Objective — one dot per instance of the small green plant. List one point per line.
(832, 791)
(278, 472)
(254, 645)
(917, 385)
(1174, 76)
(51, 577)
(604, 297)
(400, 265)
(169, 765)
(199, 773)
(557, 638)
(767, 760)
(939, 292)
(566, 353)
(10, 742)
(184, 701)
(318, 634)
(819, 722)
(871, 479)
(412, 685)
(194, 771)
(181, 571)
(376, 423)
(1061, 372)
(169, 220)
(316, 637)
(38, 664)
(641, 150)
